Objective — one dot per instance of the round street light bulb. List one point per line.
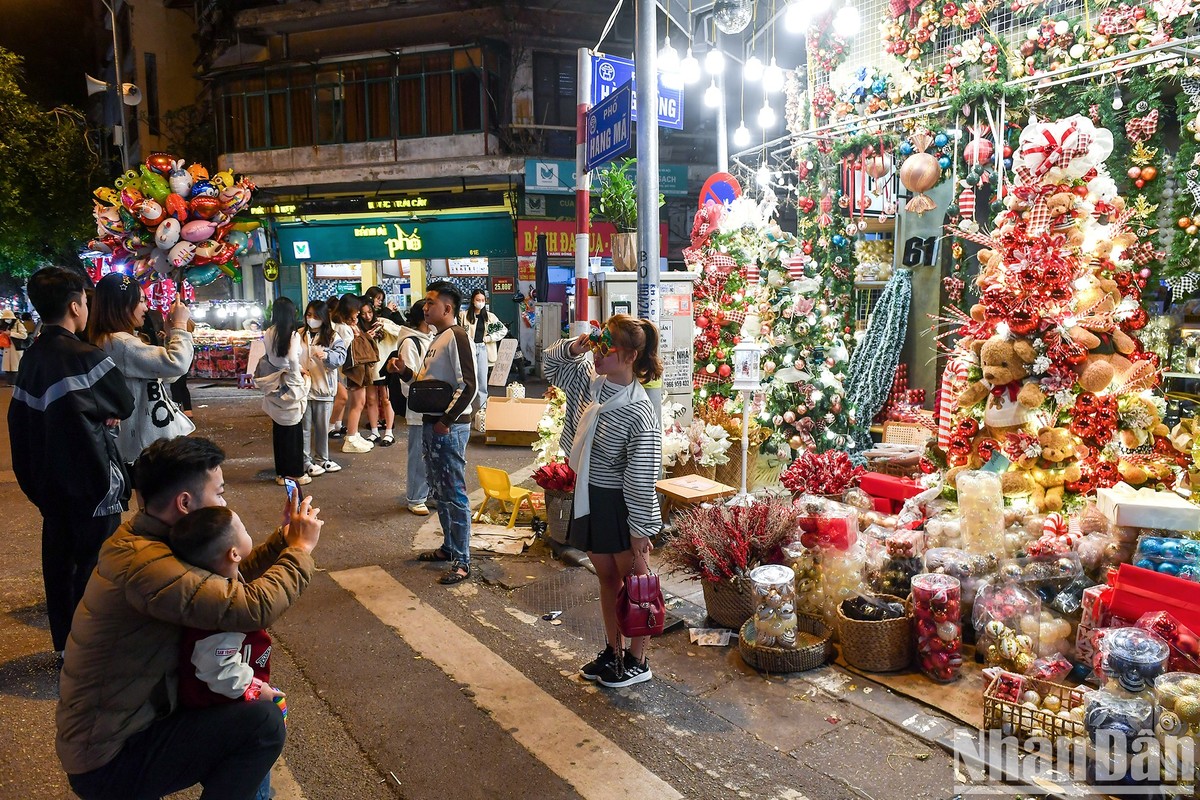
(714, 62)
(764, 175)
(689, 68)
(712, 95)
(773, 77)
(847, 22)
(752, 70)
(1118, 103)
(766, 116)
(795, 20)
(741, 136)
(668, 57)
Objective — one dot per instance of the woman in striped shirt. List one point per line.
(614, 441)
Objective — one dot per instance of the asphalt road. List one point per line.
(400, 688)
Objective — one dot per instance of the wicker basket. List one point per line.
(1024, 721)
(730, 473)
(889, 467)
(907, 432)
(783, 659)
(729, 603)
(558, 514)
(878, 646)
(692, 468)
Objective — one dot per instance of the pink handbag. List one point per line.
(641, 610)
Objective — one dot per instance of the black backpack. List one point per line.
(395, 391)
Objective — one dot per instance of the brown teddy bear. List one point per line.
(1133, 438)
(1058, 465)
(990, 265)
(1059, 205)
(1141, 473)
(1005, 366)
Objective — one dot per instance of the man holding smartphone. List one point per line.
(120, 732)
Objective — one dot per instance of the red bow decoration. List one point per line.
(899, 8)
(1140, 129)
(1013, 388)
(1143, 253)
(1058, 152)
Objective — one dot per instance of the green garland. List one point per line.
(861, 141)
(973, 92)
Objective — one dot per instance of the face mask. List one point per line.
(313, 323)
(479, 304)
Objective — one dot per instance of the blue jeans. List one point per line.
(481, 376)
(446, 468)
(417, 490)
(264, 791)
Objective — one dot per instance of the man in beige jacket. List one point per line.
(120, 734)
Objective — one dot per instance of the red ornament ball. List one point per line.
(724, 371)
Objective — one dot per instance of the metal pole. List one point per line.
(583, 101)
(722, 129)
(646, 58)
(118, 84)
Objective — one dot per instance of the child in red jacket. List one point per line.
(227, 667)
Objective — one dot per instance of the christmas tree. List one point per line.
(1048, 378)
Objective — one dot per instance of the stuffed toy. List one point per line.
(1142, 473)
(1058, 465)
(1005, 366)
(1059, 205)
(1136, 437)
(990, 265)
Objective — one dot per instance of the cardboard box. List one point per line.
(513, 422)
(1146, 508)
(693, 489)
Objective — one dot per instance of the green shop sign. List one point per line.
(383, 239)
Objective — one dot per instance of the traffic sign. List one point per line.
(720, 188)
(609, 128)
(611, 72)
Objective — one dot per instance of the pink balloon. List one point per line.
(198, 230)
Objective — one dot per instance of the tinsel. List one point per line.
(873, 363)
(821, 473)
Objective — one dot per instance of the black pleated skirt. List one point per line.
(606, 528)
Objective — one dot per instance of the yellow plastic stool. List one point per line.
(496, 486)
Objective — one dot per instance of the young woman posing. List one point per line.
(323, 352)
(358, 375)
(614, 441)
(415, 338)
(284, 380)
(476, 319)
(337, 417)
(387, 336)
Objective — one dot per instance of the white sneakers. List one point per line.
(356, 444)
(300, 481)
(331, 466)
(420, 509)
(315, 469)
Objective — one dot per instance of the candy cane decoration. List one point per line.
(966, 203)
(954, 380)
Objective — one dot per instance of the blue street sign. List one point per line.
(611, 72)
(609, 128)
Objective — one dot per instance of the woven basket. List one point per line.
(692, 468)
(1026, 721)
(558, 514)
(729, 603)
(888, 467)
(879, 646)
(783, 659)
(730, 473)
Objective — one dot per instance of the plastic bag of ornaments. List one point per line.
(1183, 642)
(806, 564)
(826, 524)
(1169, 556)
(1178, 726)
(1128, 660)
(841, 579)
(1005, 618)
(893, 558)
(1046, 576)
(972, 570)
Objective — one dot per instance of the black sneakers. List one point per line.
(592, 670)
(625, 672)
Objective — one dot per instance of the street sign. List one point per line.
(609, 128)
(611, 72)
(720, 188)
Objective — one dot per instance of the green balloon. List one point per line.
(154, 184)
(202, 276)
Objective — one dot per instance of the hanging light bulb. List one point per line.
(766, 115)
(772, 77)
(714, 62)
(1118, 102)
(764, 175)
(712, 95)
(795, 20)
(752, 70)
(668, 57)
(689, 68)
(741, 135)
(847, 22)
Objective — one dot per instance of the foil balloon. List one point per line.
(202, 276)
(107, 195)
(239, 240)
(198, 230)
(150, 213)
(131, 197)
(232, 272)
(177, 207)
(159, 163)
(129, 222)
(204, 206)
(247, 226)
(108, 221)
(225, 254)
(142, 268)
(167, 234)
(235, 198)
(207, 249)
(204, 188)
(154, 184)
(159, 261)
(223, 179)
(129, 179)
(101, 245)
(180, 179)
(198, 172)
(181, 254)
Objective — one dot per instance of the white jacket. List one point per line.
(285, 389)
(323, 372)
(413, 345)
(142, 365)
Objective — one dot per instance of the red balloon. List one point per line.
(159, 162)
(177, 207)
(204, 207)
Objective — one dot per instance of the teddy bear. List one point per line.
(1060, 204)
(1057, 466)
(1133, 438)
(1005, 366)
(1137, 474)
(990, 265)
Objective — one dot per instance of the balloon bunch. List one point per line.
(170, 221)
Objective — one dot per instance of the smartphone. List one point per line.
(292, 489)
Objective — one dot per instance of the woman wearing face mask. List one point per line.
(323, 351)
(485, 329)
(387, 336)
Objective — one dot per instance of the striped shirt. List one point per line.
(627, 448)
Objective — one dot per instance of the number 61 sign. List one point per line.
(920, 252)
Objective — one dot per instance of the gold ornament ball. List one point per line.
(920, 172)
(1188, 709)
(1183, 222)
(1192, 230)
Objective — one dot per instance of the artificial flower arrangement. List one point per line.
(676, 448)
(719, 543)
(828, 473)
(546, 449)
(555, 477)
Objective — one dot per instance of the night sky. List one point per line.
(56, 39)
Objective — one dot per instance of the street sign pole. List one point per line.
(649, 304)
(583, 86)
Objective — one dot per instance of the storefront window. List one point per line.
(429, 94)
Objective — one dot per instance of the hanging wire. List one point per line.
(612, 19)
